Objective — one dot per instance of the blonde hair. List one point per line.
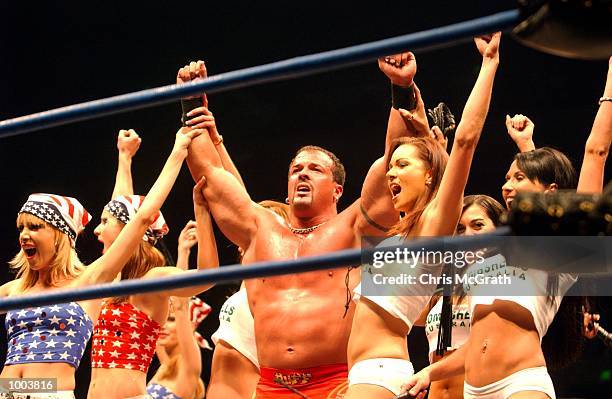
(65, 265)
(170, 371)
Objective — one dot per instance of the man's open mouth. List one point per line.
(303, 188)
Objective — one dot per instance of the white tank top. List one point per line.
(403, 300)
(236, 326)
(530, 283)
(459, 332)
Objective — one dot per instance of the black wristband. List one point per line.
(188, 104)
(403, 97)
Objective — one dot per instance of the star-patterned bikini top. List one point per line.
(124, 337)
(157, 391)
(47, 334)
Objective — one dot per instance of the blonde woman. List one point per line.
(48, 341)
(178, 376)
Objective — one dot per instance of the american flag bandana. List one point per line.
(198, 310)
(124, 207)
(64, 213)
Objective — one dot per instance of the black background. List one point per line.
(60, 53)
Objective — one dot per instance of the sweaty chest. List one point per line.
(286, 245)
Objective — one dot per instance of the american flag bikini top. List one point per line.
(47, 334)
(157, 391)
(124, 338)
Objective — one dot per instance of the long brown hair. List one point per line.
(145, 258)
(65, 265)
(435, 158)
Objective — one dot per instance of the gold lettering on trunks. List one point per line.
(292, 378)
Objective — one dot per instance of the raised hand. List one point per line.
(128, 142)
(184, 136)
(399, 68)
(417, 118)
(488, 45)
(437, 135)
(188, 237)
(198, 196)
(202, 118)
(520, 128)
(191, 72)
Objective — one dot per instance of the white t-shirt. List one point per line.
(236, 326)
(529, 290)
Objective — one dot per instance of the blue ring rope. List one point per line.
(238, 272)
(276, 71)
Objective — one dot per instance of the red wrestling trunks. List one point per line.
(322, 382)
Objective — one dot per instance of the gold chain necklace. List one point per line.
(304, 230)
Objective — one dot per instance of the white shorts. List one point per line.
(236, 326)
(39, 395)
(531, 379)
(387, 373)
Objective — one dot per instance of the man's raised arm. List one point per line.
(229, 202)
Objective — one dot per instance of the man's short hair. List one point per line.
(337, 169)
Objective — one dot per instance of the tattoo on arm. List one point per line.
(372, 222)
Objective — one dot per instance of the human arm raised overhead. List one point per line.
(520, 128)
(128, 143)
(106, 268)
(598, 144)
(227, 198)
(442, 214)
(374, 212)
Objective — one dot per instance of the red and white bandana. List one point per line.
(124, 207)
(198, 310)
(64, 213)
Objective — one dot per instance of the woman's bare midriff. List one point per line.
(450, 388)
(62, 371)
(133, 383)
(503, 340)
